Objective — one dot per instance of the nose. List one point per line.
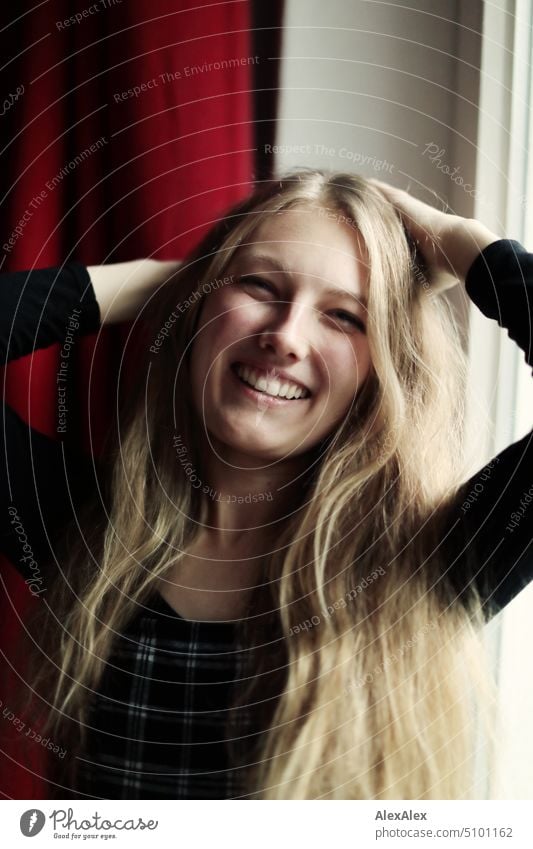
(285, 332)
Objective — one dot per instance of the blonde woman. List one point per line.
(275, 585)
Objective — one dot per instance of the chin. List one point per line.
(243, 439)
(260, 449)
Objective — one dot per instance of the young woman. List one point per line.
(279, 588)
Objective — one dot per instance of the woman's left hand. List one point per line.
(448, 243)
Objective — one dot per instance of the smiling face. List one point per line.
(281, 351)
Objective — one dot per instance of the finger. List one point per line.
(406, 205)
(386, 188)
(406, 201)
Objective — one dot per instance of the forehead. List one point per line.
(313, 242)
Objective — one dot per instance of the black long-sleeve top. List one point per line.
(154, 732)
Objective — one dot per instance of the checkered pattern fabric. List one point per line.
(159, 724)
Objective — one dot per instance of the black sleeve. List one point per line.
(42, 481)
(488, 533)
(44, 485)
(36, 306)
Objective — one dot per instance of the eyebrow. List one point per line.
(277, 265)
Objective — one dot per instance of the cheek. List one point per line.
(347, 365)
(347, 369)
(223, 322)
(343, 395)
(228, 315)
(362, 362)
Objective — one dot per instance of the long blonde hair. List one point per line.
(381, 677)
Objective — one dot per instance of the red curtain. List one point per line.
(128, 130)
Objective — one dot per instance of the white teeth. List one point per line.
(270, 387)
(274, 387)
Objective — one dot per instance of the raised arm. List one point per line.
(35, 306)
(490, 525)
(121, 288)
(448, 243)
(487, 535)
(42, 479)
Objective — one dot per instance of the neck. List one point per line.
(249, 499)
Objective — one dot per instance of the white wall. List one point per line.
(378, 80)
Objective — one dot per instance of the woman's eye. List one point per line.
(346, 318)
(258, 282)
(341, 316)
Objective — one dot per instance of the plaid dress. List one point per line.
(159, 723)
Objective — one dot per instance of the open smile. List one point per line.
(267, 386)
